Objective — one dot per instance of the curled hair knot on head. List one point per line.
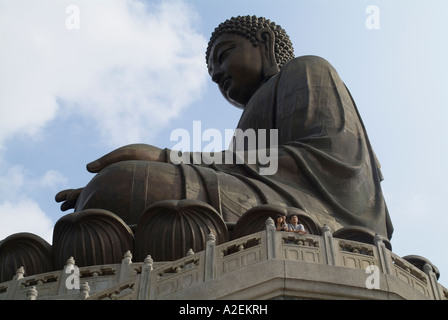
(247, 27)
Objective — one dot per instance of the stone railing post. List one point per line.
(144, 290)
(427, 268)
(270, 239)
(69, 278)
(15, 283)
(19, 273)
(209, 265)
(125, 270)
(190, 265)
(328, 244)
(383, 255)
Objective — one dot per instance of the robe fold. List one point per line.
(326, 165)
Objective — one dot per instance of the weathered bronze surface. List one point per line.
(327, 168)
(93, 236)
(190, 223)
(24, 250)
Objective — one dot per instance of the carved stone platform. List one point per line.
(264, 265)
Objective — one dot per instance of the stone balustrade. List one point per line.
(197, 275)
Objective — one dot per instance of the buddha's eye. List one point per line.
(224, 54)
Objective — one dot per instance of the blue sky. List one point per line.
(135, 71)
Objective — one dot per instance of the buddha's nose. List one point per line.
(217, 75)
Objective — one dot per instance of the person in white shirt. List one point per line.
(295, 226)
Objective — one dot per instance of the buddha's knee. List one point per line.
(127, 188)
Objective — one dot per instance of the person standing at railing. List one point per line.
(295, 226)
(281, 224)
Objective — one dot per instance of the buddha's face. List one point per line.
(237, 67)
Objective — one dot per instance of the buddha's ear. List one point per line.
(266, 39)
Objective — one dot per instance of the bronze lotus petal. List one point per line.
(27, 250)
(92, 237)
(169, 228)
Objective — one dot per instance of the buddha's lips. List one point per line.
(224, 84)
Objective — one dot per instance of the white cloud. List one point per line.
(24, 216)
(19, 212)
(130, 67)
(18, 182)
(12, 182)
(52, 179)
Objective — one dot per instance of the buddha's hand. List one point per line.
(143, 152)
(68, 198)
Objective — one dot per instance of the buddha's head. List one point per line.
(245, 52)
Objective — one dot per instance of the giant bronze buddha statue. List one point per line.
(326, 168)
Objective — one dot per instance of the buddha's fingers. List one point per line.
(130, 152)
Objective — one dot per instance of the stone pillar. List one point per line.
(270, 239)
(144, 290)
(69, 273)
(427, 268)
(15, 283)
(191, 264)
(19, 273)
(125, 270)
(209, 271)
(383, 255)
(328, 246)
